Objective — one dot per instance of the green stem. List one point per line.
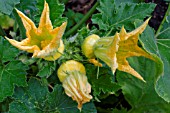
(84, 19)
(2, 32)
(161, 25)
(20, 24)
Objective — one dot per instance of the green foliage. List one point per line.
(118, 93)
(148, 42)
(12, 72)
(127, 1)
(7, 6)
(37, 99)
(73, 46)
(56, 11)
(73, 18)
(28, 7)
(163, 41)
(114, 17)
(46, 68)
(104, 83)
(162, 86)
(135, 91)
(142, 96)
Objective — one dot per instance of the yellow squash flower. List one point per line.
(44, 41)
(72, 74)
(115, 49)
(87, 49)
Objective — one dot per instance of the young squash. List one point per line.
(88, 48)
(72, 74)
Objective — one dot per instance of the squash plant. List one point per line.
(52, 62)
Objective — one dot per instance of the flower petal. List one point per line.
(128, 69)
(51, 54)
(28, 23)
(23, 45)
(123, 45)
(77, 87)
(45, 21)
(106, 49)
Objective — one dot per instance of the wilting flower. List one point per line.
(44, 41)
(115, 49)
(72, 74)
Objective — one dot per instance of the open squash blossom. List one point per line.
(44, 41)
(72, 74)
(115, 49)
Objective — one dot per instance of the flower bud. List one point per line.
(115, 50)
(87, 46)
(74, 80)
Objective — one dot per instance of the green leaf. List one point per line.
(123, 110)
(128, 1)
(56, 11)
(37, 99)
(162, 86)
(7, 51)
(113, 16)
(149, 44)
(46, 68)
(73, 46)
(142, 96)
(105, 83)
(4, 106)
(73, 18)
(12, 72)
(6, 6)
(148, 40)
(63, 104)
(28, 7)
(163, 41)
(165, 31)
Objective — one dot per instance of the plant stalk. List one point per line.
(84, 19)
(161, 25)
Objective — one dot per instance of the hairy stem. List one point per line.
(84, 19)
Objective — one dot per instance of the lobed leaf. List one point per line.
(12, 72)
(104, 84)
(37, 99)
(46, 68)
(138, 93)
(6, 6)
(163, 41)
(142, 96)
(115, 16)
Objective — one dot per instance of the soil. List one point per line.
(158, 14)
